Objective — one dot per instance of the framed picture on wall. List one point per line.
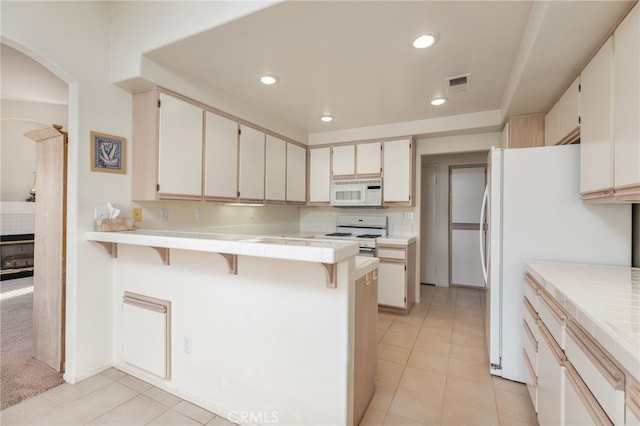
(108, 153)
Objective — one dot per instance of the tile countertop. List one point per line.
(605, 300)
(395, 240)
(302, 249)
(365, 264)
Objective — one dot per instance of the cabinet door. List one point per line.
(296, 173)
(343, 161)
(397, 182)
(368, 159)
(392, 284)
(551, 380)
(180, 149)
(627, 101)
(275, 163)
(251, 175)
(596, 132)
(221, 158)
(569, 111)
(319, 175)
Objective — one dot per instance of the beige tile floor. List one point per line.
(433, 367)
(432, 370)
(110, 398)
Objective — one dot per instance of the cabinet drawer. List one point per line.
(601, 375)
(391, 253)
(553, 316)
(531, 318)
(531, 291)
(530, 345)
(581, 406)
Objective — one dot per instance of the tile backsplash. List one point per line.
(16, 218)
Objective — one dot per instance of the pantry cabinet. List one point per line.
(397, 172)
(319, 175)
(562, 122)
(251, 175)
(626, 107)
(296, 174)
(396, 276)
(221, 158)
(275, 169)
(596, 133)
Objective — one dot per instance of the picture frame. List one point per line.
(108, 153)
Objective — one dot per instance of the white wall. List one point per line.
(71, 39)
(17, 152)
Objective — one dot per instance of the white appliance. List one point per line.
(361, 228)
(534, 211)
(356, 193)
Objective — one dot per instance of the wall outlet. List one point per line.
(198, 214)
(407, 215)
(137, 214)
(186, 345)
(164, 215)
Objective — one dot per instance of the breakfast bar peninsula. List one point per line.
(257, 329)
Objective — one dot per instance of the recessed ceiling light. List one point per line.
(269, 79)
(425, 40)
(326, 118)
(438, 101)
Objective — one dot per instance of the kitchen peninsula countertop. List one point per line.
(302, 249)
(395, 240)
(605, 300)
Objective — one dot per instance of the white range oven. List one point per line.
(361, 228)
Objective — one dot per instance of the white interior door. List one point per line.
(466, 188)
(428, 225)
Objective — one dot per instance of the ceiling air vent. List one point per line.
(459, 83)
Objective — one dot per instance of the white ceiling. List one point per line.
(353, 59)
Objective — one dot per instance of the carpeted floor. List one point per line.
(21, 376)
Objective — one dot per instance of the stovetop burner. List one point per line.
(339, 234)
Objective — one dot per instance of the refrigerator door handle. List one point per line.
(483, 260)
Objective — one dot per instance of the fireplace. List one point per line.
(16, 256)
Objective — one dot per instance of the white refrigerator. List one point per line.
(534, 211)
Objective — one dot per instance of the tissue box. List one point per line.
(118, 224)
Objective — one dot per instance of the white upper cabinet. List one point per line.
(296, 173)
(275, 169)
(179, 148)
(368, 159)
(627, 107)
(562, 122)
(596, 133)
(221, 158)
(319, 175)
(251, 173)
(343, 161)
(397, 182)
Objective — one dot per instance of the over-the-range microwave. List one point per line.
(356, 193)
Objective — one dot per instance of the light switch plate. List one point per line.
(137, 214)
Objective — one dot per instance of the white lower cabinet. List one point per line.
(396, 276)
(581, 407)
(573, 379)
(551, 380)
